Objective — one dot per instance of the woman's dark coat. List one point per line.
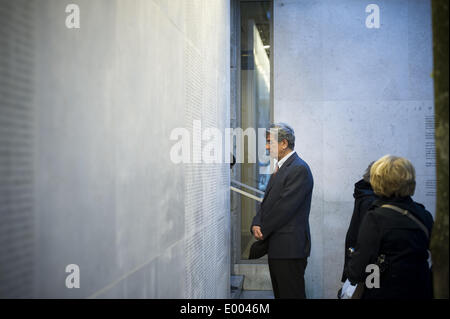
(364, 197)
(405, 245)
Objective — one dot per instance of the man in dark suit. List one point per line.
(283, 217)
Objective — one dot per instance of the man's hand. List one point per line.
(257, 232)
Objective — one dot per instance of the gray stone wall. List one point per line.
(106, 195)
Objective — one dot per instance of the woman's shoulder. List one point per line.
(423, 214)
(377, 210)
(415, 208)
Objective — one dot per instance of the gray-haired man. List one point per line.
(283, 217)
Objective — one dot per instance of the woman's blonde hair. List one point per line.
(393, 176)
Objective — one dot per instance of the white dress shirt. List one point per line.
(284, 159)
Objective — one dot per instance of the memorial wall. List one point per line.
(91, 204)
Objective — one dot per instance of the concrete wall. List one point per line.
(106, 195)
(352, 95)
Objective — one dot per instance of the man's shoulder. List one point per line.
(299, 164)
(299, 167)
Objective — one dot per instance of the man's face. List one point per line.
(272, 145)
(275, 149)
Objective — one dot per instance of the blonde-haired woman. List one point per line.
(395, 235)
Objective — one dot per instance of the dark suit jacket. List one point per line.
(284, 212)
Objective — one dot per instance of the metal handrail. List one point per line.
(237, 190)
(249, 187)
